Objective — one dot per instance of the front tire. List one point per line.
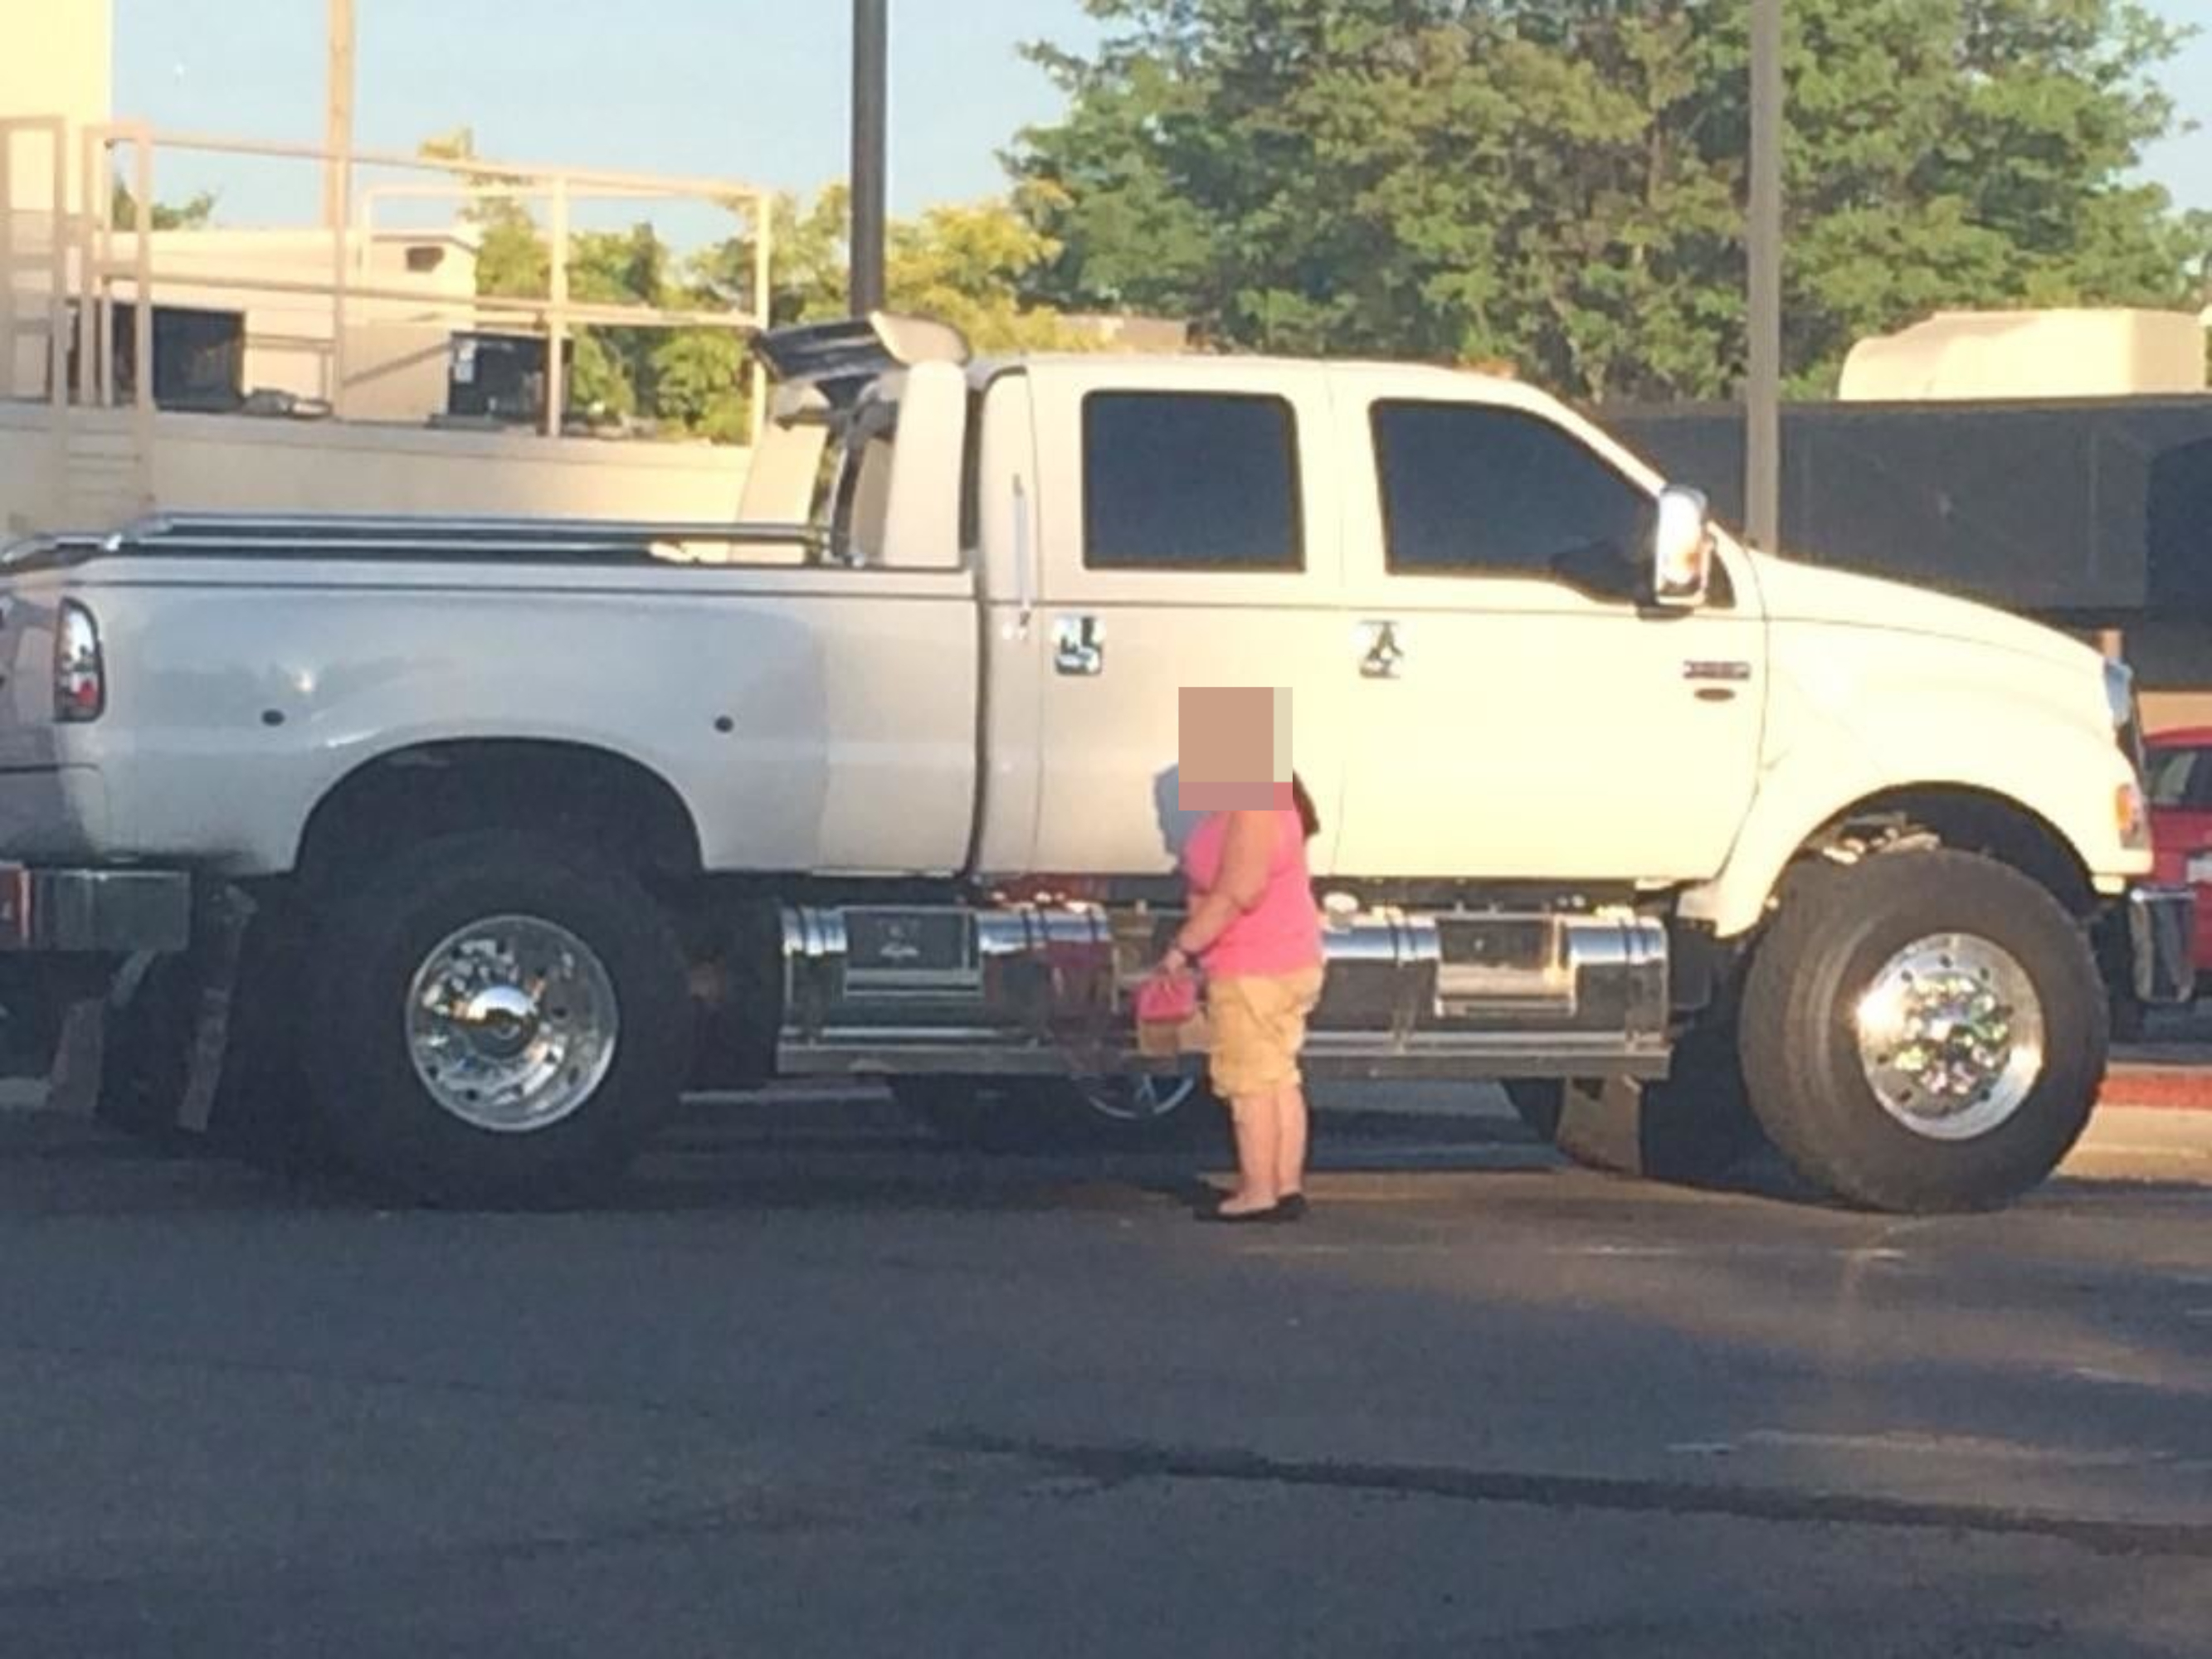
(1924, 1032)
(502, 1022)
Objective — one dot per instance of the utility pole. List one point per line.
(871, 134)
(337, 135)
(1763, 411)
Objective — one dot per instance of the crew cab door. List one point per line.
(1181, 534)
(1520, 714)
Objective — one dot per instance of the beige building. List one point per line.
(277, 284)
(1993, 356)
(365, 329)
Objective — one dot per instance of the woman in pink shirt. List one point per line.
(1254, 930)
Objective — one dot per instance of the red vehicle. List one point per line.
(2181, 821)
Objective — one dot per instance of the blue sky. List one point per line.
(755, 89)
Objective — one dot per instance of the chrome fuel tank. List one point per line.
(1048, 988)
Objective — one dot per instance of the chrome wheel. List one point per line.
(512, 1023)
(1138, 1100)
(1951, 1037)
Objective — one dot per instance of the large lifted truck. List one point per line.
(464, 847)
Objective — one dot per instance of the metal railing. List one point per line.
(111, 261)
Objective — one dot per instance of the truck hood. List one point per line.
(1803, 594)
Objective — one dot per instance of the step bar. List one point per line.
(1047, 990)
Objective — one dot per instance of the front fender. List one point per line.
(2058, 770)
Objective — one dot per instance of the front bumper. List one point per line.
(94, 912)
(2162, 933)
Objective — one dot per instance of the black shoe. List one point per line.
(1293, 1206)
(1273, 1216)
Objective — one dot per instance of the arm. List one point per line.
(1245, 860)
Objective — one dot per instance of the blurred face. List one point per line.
(1236, 749)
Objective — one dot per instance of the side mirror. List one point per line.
(1681, 549)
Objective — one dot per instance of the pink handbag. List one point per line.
(1168, 1018)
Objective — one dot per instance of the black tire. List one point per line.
(1800, 1048)
(1695, 1126)
(1011, 1114)
(366, 957)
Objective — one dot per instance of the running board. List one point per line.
(1047, 990)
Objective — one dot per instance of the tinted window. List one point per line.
(1185, 481)
(1471, 490)
(2177, 777)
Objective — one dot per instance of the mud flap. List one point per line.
(1694, 1128)
(1602, 1126)
(223, 930)
(73, 1080)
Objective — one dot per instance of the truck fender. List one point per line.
(2058, 775)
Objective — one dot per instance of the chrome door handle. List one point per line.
(1078, 647)
(1382, 657)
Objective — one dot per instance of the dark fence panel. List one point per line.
(2091, 508)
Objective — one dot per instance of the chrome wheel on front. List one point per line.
(511, 1024)
(1951, 1037)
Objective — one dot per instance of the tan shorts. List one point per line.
(1257, 1024)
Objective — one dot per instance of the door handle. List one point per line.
(1381, 656)
(1078, 647)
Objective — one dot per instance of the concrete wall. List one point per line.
(29, 470)
(210, 463)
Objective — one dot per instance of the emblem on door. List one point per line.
(1078, 647)
(1381, 654)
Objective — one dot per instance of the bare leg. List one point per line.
(1258, 1135)
(1292, 1130)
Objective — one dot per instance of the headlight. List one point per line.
(2127, 714)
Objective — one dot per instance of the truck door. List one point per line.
(1520, 715)
(1182, 536)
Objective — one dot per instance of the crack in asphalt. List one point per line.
(1110, 1464)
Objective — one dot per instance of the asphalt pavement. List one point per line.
(818, 1386)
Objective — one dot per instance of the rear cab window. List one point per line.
(1186, 482)
(1191, 480)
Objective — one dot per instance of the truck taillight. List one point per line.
(80, 672)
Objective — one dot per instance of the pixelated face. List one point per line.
(1236, 749)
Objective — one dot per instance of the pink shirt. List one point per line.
(1282, 934)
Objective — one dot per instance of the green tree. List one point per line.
(513, 261)
(969, 264)
(196, 212)
(1560, 183)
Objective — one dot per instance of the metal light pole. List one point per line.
(871, 129)
(337, 131)
(1763, 413)
(337, 188)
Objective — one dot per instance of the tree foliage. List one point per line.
(968, 264)
(195, 212)
(1560, 184)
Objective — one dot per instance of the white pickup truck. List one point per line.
(467, 846)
